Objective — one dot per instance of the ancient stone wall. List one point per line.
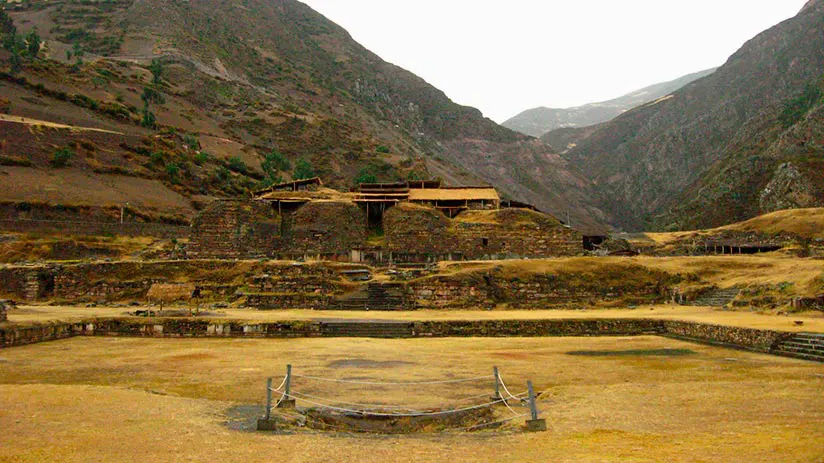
(728, 336)
(125, 281)
(744, 338)
(484, 289)
(235, 230)
(513, 233)
(327, 227)
(3, 312)
(414, 229)
(473, 235)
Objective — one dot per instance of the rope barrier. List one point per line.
(378, 406)
(277, 389)
(381, 383)
(447, 412)
(506, 389)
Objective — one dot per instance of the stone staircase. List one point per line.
(367, 329)
(376, 296)
(716, 297)
(807, 346)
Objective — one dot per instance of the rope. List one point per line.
(447, 412)
(379, 383)
(299, 394)
(281, 385)
(506, 389)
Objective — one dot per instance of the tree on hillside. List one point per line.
(156, 68)
(366, 175)
(303, 170)
(33, 43)
(6, 23)
(274, 163)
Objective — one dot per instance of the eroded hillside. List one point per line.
(258, 77)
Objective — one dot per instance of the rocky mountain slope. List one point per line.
(539, 121)
(744, 140)
(215, 98)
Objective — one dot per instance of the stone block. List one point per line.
(538, 425)
(266, 425)
(287, 403)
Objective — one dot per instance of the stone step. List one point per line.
(818, 336)
(799, 355)
(805, 345)
(801, 350)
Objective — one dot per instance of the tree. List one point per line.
(149, 119)
(61, 157)
(151, 95)
(303, 170)
(6, 23)
(274, 163)
(156, 68)
(33, 43)
(78, 53)
(236, 164)
(366, 175)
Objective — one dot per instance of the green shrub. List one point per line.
(172, 170)
(366, 175)
(202, 158)
(191, 141)
(61, 157)
(237, 165)
(382, 149)
(274, 163)
(156, 157)
(303, 170)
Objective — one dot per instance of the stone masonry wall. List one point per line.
(474, 235)
(328, 227)
(629, 284)
(120, 281)
(513, 233)
(235, 230)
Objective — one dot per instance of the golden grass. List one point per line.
(807, 223)
(722, 271)
(125, 400)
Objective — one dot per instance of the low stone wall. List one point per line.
(757, 340)
(730, 336)
(126, 281)
(287, 301)
(537, 328)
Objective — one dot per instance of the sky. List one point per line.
(504, 57)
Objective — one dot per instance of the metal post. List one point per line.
(288, 381)
(497, 395)
(287, 401)
(535, 424)
(268, 398)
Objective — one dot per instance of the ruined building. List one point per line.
(416, 221)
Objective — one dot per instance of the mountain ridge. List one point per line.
(539, 121)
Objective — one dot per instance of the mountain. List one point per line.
(538, 121)
(241, 93)
(745, 140)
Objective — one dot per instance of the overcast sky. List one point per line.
(507, 56)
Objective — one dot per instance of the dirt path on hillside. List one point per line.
(28, 121)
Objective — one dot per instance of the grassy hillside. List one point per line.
(240, 81)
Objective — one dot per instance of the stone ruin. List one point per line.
(411, 222)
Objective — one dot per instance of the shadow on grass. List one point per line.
(633, 353)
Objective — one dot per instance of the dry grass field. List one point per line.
(632, 399)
